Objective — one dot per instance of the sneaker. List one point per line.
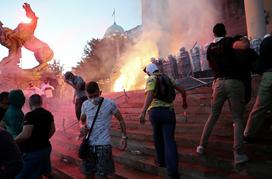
(240, 158)
(200, 150)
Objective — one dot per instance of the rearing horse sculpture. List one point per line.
(23, 36)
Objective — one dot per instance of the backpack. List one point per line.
(164, 89)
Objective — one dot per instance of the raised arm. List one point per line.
(183, 95)
(29, 12)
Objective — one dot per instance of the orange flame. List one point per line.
(132, 76)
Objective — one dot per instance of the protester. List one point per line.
(263, 101)
(14, 117)
(227, 85)
(79, 86)
(3, 104)
(162, 117)
(100, 135)
(10, 156)
(38, 128)
(47, 94)
(47, 89)
(33, 89)
(246, 58)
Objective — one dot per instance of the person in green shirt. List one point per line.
(14, 117)
(163, 119)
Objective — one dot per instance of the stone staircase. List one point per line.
(138, 160)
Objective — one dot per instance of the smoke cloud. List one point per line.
(167, 26)
(180, 22)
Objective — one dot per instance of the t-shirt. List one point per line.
(79, 92)
(150, 86)
(41, 120)
(222, 60)
(246, 60)
(100, 134)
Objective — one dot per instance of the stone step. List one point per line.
(178, 109)
(260, 164)
(194, 100)
(145, 163)
(181, 127)
(65, 159)
(181, 118)
(221, 143)
(216, 141)
(196, 109)
(68, 169)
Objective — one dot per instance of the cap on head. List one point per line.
(68, 75)
(267, 35)
(151, 68)
(219, 30)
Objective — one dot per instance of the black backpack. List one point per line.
(164, 89)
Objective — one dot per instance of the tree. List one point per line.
(100, 56)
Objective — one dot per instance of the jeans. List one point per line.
(163, 121)
(233, 91)
(35, 164)
(78, 105)
(262, 104)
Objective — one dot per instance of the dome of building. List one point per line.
(114, 30)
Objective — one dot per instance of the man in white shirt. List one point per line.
(100, 135)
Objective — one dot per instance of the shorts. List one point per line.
(102, 164)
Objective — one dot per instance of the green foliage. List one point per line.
(100, 56)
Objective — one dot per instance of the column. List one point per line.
(256, 27)
(268, 8)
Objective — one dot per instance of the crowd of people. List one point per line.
(24, 139)
(25, 146)
(232, 62)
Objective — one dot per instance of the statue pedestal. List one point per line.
(12, 76)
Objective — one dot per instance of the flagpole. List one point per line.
(113, 14)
